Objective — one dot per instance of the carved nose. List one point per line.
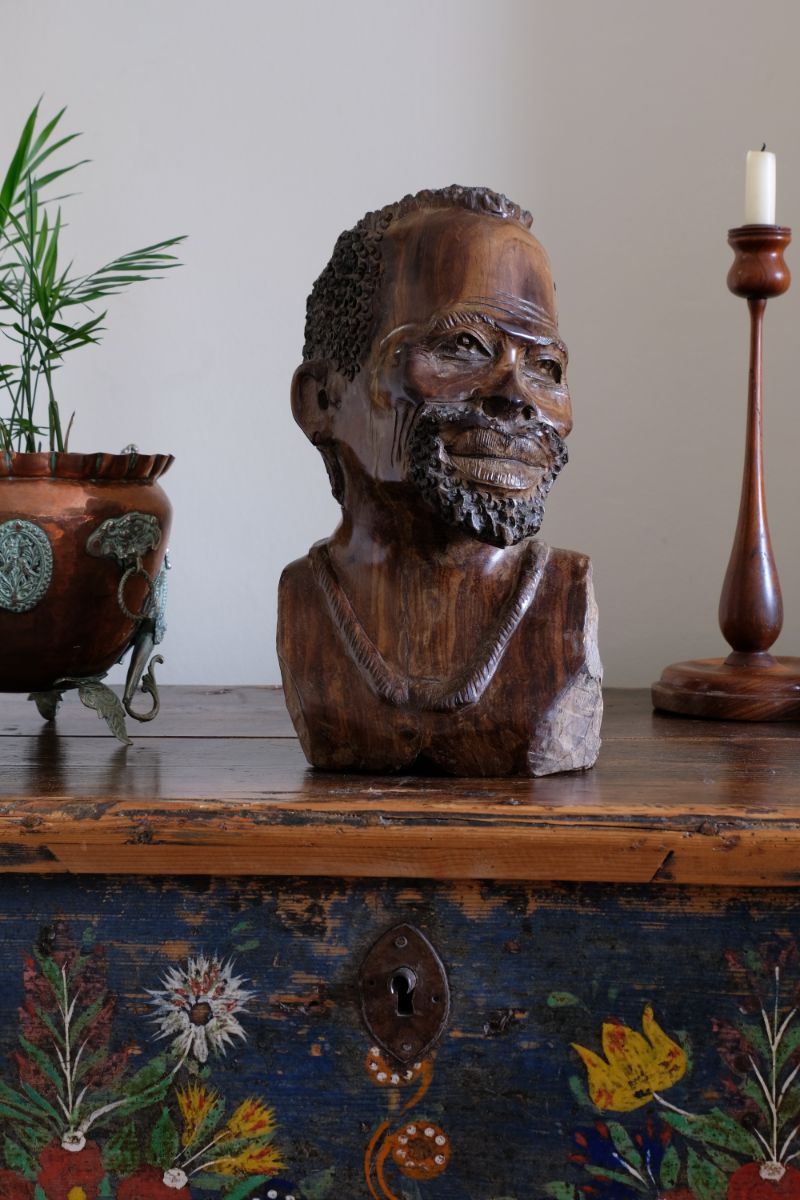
(504, 407)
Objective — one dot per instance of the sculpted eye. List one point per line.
(550, 367)
(463, 345)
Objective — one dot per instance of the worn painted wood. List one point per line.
(531, 1094)
(670, 801)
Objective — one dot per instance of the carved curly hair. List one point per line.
(341, 307)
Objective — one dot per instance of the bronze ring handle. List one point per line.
(131, 573)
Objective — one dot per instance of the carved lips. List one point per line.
(495, 458)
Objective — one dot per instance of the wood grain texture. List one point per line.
(750, 684)
(435, 389)
(670, 801)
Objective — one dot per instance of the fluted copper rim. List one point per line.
(65, 465)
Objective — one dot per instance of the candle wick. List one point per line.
(763, 147)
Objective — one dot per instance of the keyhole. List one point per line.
(402, 986)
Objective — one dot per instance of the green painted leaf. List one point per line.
(242, 927)
(757, 1039)
(121, 1151)
(790, 1105)
(723, 1161)
(562, 1000)
(18, 1159)
(753, 1091)
(39, 1193)
(41, 1103)
(50, 972)
(559, 1189)
(164, 1140)
(243, 947)
(788, 1044)
(684, 1040)
(670, 1169)
(44, 1063)
(578, 1089)
(623, 1144)
(147, 1076)
(205, 1183)
(753, 961)
(706, 1181)
(86, 1017)
(240, 1190)
(88, 937)
(34, 1137)
(716, 1128)
(56, 1033)
(318, 1185)
(617, 1177)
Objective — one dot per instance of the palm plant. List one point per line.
(47, 310)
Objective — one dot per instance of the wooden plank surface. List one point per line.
(218, 785)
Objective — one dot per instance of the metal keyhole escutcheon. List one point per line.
(405, 997)
(403, 983)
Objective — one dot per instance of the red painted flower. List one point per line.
(71, 1174)
(14, 1187)
(764, 1181)
(151, 1183)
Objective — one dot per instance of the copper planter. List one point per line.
(70, 603)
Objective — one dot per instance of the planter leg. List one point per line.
(48, 703)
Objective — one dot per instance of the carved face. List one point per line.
(464, 393)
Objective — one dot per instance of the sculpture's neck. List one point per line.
(393, 532)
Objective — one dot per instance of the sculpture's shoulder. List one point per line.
(566, 581)
(571, 565)
(567, 735)
(296, 575)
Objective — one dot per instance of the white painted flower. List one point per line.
(175, 1178)
(73, 1140)
(198, 1005)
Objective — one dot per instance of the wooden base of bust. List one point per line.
(741, 687)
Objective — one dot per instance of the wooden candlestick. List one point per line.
(750, 684)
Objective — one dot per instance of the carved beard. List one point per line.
(498, 520)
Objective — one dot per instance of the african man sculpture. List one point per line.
(432, 630)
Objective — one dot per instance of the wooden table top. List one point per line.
(218, 785)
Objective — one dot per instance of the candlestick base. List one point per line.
(743, 687)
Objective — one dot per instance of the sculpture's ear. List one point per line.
(316, 394)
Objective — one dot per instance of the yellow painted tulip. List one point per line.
(635, 1067)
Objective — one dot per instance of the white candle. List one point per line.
(759, 188)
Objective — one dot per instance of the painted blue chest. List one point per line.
(188, 934)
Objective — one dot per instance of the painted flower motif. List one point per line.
(281, 1189)
(420, 1149)
(764, 1181)
(385, 1074)
(252, 1119)
(14, 1187)
(151, 1183)
(69, 1174)
(198, 1004)
(196, 1104)
(253, 1160)
(618, 1169)
(635, 1067)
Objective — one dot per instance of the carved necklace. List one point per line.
(464, 688)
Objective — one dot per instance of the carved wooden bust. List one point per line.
(433, 630)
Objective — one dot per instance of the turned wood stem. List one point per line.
(751, 609)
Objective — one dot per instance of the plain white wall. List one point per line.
(264, 129)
